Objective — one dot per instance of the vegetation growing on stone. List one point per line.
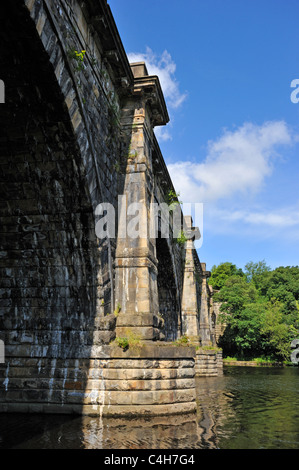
(122, 343)
(78, 57)
(117, 310)
(182, 239)
(172, 198)
(131, 340)
(183, 340)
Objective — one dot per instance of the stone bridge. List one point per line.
(77, 137)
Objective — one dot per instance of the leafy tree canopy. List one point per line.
(221, 273)
(260, 308)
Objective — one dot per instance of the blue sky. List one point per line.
(226, 68)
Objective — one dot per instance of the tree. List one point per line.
(277, 334)
(242, 336)
(260, 309)
(242, 314)
(255, 271)
(221, 273)
(283, 284)
(235, 294)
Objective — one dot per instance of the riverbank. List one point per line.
(256, 363)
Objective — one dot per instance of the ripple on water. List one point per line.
(247, 408)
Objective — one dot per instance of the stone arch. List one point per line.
(50, 259)
(169, 306)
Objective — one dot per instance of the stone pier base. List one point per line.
(220, 362)
(154, 381)
(209, 363)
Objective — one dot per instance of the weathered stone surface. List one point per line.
(209, 363)
(74, 135)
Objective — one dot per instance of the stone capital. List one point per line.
(206, 274)
(149, 86)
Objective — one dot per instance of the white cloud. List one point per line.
(165, 68)
(286, 217)
(236, 164)
(163, 134)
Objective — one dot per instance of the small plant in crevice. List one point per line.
(117, 310)
(131, 153)
(182, 341)
(181, 239)
(172, 198)
(78, 57)
(131, 340)
(123, 343)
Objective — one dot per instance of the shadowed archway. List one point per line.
(167, 291)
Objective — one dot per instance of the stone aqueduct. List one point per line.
(74, 134)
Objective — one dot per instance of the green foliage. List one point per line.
(131, 340)
(259, 308)
(283, 284)
(117, 310)
(235, 293)
(78, 57)
(172, 198)
(229, 358)
(221, 273)
(182, 239)
(123, 343)
(255, 272)
(276, 332)
(183, 340)
(131, 153)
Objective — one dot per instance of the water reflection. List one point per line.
(250, 408)
(60, 432)
(247, 408)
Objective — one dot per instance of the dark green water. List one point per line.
(247, 408)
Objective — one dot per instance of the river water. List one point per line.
(247, 408)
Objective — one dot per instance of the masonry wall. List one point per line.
(58, 126)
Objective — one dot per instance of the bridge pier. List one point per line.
(190, 297)
(136, 262)
(205, 317)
